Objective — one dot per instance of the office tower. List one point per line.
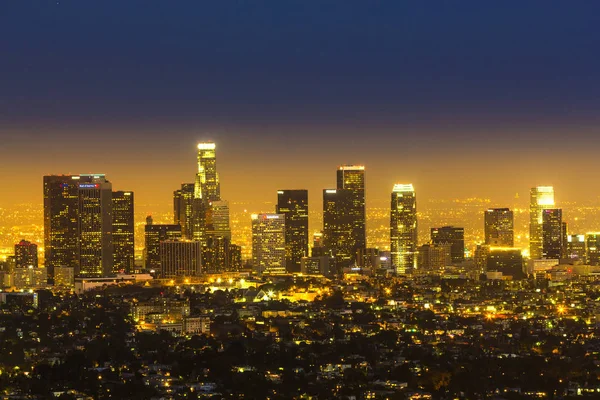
(509, 261)
(499, 227)
(576, 248)
(338, 228)
(123, 228)
(183, 201)
(180, 258)
(235, 257)
(217, 220)
(592, 246)
(403, 228)
(61, 240)
(207, 182)
(268, 243)
(541, 198)
(95, 227)
(453, 235)
(154, 235)
(293, 204)
(552, 233)
(26, 254)
(480, 256)
(78, 224)
(434, 257)
(352, 179)
(220, 255)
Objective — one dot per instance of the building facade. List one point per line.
(293, 204)
(26, 254)
(541, 198)
(453, 235)
(499, 227)
(154, 234)
(351, 178)
(123, 232)
(552, 233)
(403, 228)
(268, 243)
(180, 258)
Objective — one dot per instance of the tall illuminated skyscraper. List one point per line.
(217, 220)
(352, 179)
(338, 232)
(78, 224)
(499, 227)
(268, 243)
(294, 205)
(95, 227)
(207, 181)
(403, 227)
(123, 231)
(552, 233)
(183, 202)
(61, 240)
(541, 198)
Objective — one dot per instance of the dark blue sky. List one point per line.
(412, 86)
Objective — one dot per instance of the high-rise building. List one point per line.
(592, 246)
(541, 198)
(95, 227)
(154, 235)
(123, 228)
(552, 233)
(207, 177)
(294, 205)
(507, 260)
(220, 255)
(180, 258)
(78, 224)
(183, 202)
(351, 178)
(268, 243)
(576, 247)
(499, 227)
(61, 222)
(434, 257)
(403, 228)
(26, 254)
(338, 228)
(453, 235)
(217, 220)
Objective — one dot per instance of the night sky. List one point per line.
(462, 99)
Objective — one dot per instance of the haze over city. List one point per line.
(436, 96)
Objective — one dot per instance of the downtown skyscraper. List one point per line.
(268, 243)
(552, 233)
(123, 235)
(344, 225)
(403, 228)
(541, 198)
(499, 227)
(294, 205)
(78, 224)
(207, 178)
(352, 178)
